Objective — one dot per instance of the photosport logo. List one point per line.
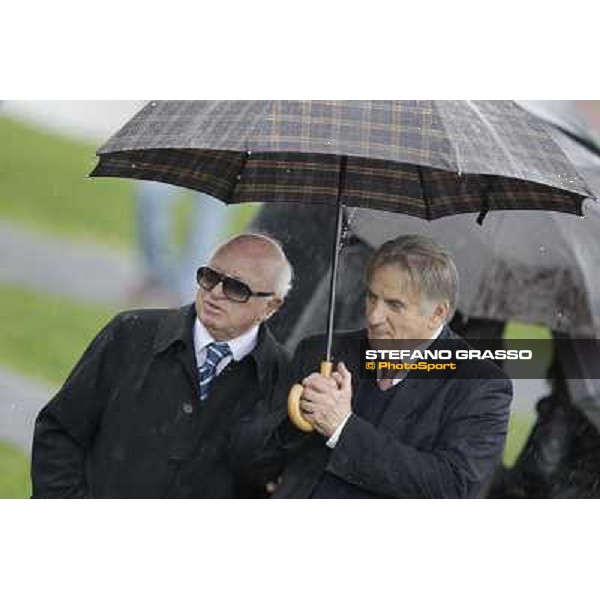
(519, 359)
(407, 360)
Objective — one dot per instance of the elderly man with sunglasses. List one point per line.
(149, 409)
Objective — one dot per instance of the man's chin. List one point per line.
(211, 323)
(382, 341)
(375, 337)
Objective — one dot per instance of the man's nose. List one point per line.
(375, 313)
(217, 291)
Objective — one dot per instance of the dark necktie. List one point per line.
(385, 384)
(387, 379)
(215, 352)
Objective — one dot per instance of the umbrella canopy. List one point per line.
(428, 159)
(533, 266)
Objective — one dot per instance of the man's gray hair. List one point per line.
(430, 267)
(286, 272)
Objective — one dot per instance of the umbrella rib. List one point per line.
(424, 195)
(245, 156)
(451, 144)
(587, 143)
(496, 137)
(259, 126)
(486, 204)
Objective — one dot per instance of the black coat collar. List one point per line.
(177, 326)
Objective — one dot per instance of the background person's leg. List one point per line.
(209, 226)
(155, 243)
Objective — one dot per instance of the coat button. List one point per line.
(188, 408)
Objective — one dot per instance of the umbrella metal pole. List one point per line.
(294, 411)
(336, 255)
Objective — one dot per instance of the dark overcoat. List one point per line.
(128, 422)
(438, 437)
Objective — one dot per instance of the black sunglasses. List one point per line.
(233, 289)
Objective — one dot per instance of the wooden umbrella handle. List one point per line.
(294, 412)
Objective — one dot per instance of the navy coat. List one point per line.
(437, 438)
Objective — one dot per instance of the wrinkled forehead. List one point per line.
(393, 274)
(395, 281)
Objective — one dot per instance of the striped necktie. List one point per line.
(215, 353)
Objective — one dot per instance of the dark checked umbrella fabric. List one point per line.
(533, 266)
(428, 159)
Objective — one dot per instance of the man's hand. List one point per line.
(327, 401)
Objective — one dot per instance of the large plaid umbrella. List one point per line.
(532, 266)
(428, 159)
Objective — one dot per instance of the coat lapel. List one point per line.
(409, 397)
(175, 334)
(412, 392)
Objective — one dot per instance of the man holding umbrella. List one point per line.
(148, 410)
(408, 437)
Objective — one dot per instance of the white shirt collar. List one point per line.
(240, 346)
(436, 335)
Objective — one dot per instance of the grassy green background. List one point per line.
(43, 182)
(14, 473)
(67, 329)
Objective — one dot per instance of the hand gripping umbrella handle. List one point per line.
(294, 412)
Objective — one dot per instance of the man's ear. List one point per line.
(273, 305)
(440, 314)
